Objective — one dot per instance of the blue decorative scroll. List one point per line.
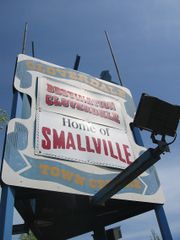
(49, 170)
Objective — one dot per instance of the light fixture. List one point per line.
(113, 233)
(157, 116)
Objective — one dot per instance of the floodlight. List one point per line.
(157, 116)
(113, 233)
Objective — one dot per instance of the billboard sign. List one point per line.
(71, 134)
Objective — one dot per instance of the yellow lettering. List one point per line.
(103, 87)
(72, 75)
(39, 67)
(137, 183)
(55, 171)
(51, 71)
(102, 183)
(83, 78)
(44, 169)
(121, 93)
(94, 83)
(62, 72)
(110, 89)
(134, 184)
(30, 65)
(92, 183)
(79, 180)
(67, 175)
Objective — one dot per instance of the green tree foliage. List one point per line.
(3, 118)
(29, 236)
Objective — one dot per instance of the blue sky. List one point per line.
(146, 39)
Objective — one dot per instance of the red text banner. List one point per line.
(63, 98)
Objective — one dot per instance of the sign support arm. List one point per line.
(142, 163)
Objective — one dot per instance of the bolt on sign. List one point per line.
(71, 134)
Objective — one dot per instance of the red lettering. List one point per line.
(102, 114)
(93, 111)
(115, 117)
(110, 105)
(72, 104)
(79, 143)
(86, 108)
(50, 88)
(65, 102)
(79, 106)
(59, 91)
(49, 100)
(58, 141)
(111, 150)
(127, 154)
(46, 143)
(119, 153)
(105, 147)
(56, 101)
(70, 142)
(97, 144)
(89, 149)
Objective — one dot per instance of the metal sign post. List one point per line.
(6, 212)
(163, 223)
(99, 232)
(159, 210)
(8, 192)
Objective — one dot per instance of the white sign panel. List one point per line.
(79, 125)
(68, 138)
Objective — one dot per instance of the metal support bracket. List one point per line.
(142, 163)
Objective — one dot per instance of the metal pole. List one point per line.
(163, 223)
(6, 212)
(99, 232)
(159, 210)
(8, 192)
(33, 49)
(24, 38)
(114, 60)
(77, 61)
